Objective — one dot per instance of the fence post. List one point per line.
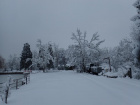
(26, 79)
(29, 77)
(6, 96)
(17, 84)
(130, 73)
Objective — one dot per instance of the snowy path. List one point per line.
(71, 88)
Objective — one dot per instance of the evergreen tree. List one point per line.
(26, 57)
(136, 31)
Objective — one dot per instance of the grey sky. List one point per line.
(24, 21)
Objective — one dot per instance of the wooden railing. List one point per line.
(17, 82)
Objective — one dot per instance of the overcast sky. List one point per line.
(24, 21)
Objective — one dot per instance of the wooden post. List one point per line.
(130, 73)
(26, 79)
(17, 84)
(6, 96)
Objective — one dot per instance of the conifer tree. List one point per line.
(26, 57)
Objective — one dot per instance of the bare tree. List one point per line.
(82, 46)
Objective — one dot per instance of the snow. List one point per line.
(111, 74)
(71, 88)
(28, 59)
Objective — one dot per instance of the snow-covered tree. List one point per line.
(13, 62)
(61, 57)
(83, 46)
(2, 62)
(51, 52)
(35, 59)
(125, 50)
(136, 33)
(73, 56)
(41, 59)
(26, 57)
(120, 54)
(44, 56)
(56, 55)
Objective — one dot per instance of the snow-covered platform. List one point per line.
(71, 88)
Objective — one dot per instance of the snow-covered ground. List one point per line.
(71, 88)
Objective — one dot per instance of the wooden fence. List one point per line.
(17, 82)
